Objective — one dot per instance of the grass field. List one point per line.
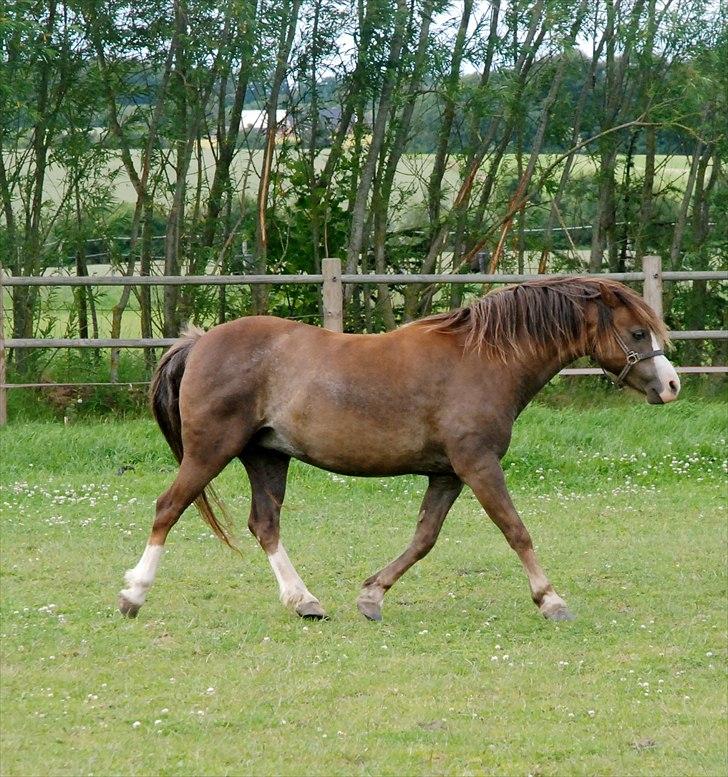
(626, 504)
(413, 171)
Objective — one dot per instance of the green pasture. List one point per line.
(412, 174)
(626, 504)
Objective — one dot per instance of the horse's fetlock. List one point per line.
(134, 595)
(539, 596)
(137, 580)
(373, 590)
(554, 607)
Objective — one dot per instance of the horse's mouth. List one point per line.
(655, 396)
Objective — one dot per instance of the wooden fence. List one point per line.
(332, 281)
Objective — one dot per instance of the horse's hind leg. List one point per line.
(200, 464)
(441, 492)
(267, 471)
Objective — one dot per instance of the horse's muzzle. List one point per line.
(659, 393)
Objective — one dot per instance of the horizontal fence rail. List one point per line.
(331, 279)
(159, 280)
(707, 370)
(128, 384)
(282, 280)
(164, 342)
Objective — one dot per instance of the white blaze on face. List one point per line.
(665, 374)
(139, 580)
(293, 590)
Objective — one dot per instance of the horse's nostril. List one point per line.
(673, 386)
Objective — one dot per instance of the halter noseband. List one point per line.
(632, 358)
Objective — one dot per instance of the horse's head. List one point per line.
(629, 345)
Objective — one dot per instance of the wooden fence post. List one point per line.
(333, 296)
(652, 290)
(3, 390)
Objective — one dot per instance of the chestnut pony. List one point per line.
(437, 397)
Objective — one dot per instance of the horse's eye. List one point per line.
(638, 334)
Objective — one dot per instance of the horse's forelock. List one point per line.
(644, 315)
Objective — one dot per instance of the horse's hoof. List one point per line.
(370, 610)
(311, 611)
(559, 614)
(128, 609)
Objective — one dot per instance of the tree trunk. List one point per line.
(682, 216)
(648, 184)
(450, 88)
(145, 297)
(80, 292)
(554, 211)
(519, 199)
(228, 132)
(603, 229)
(359, 211)
(285, 41)
(382, 190)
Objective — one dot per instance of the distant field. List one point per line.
(59, 319)
(413, 172)
(626, 504)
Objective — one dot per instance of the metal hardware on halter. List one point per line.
(632, 358)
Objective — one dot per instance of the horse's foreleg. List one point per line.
(441, 492)
(489, 486)
(267, 471)
(194, 474)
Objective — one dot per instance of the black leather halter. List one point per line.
(632, 358)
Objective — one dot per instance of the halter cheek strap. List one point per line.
(632, 358)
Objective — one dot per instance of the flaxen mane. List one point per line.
(540, 313)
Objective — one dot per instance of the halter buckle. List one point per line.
(631, 358)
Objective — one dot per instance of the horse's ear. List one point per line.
(608, 296)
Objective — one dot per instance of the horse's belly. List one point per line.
(275, 440)
(363, 454)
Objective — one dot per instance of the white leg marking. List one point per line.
(293, 590)
(665, 374)
(139, 580)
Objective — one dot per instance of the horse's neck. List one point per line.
(539, 368)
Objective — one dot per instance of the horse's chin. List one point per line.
(653, 398)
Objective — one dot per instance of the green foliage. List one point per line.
(120, 121)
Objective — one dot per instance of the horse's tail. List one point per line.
(164, 401)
